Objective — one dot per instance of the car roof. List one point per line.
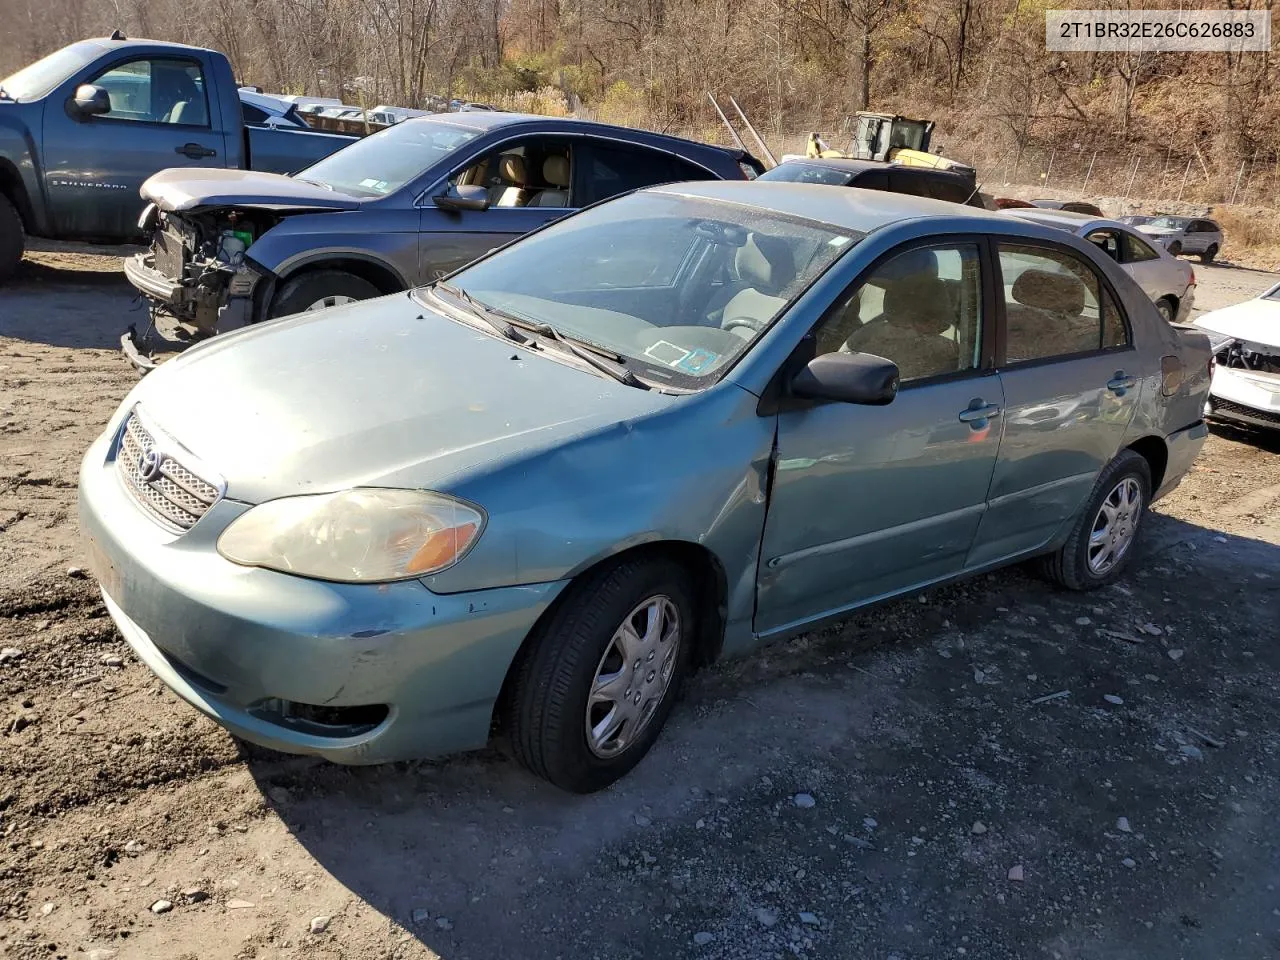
(1063, 219)
(853, 166)
(485, 121)
(848, 208)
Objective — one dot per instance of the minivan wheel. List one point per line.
(1101, 542)
(318, 289)
(11, 238)
(1208, 255)
(601, 674)
(1175, 249)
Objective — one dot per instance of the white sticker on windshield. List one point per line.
(666, 352)
(838, 241)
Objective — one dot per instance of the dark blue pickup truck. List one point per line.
(82, 129)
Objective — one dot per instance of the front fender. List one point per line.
(20, 160)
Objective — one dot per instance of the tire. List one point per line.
(1208, 255)
(306, 290)
(12, 239)
(1167, 309)
(548, 706)
(1070, 566)
(1175, 249)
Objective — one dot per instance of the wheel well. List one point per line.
(710, 590)
(1154, 451)
(381, 277)
(11, 186)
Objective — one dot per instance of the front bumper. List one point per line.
(238, 642)
(1245, 396)
(152, 283)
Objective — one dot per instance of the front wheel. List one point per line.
(1208, 255)
(601, 675)
(11, 238)
(1175, 249)
(319, 289)
(1100, 545)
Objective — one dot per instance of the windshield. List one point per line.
(677, 287)
(792, 171)
(33, 82)
(1171, 223)
(384, 162)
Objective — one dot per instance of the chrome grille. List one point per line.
(177, 497)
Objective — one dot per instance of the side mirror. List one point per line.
(91, 101)
(848, 378)
(465, 197)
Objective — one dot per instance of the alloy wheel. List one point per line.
(1115, 526)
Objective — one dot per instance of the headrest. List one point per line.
(555, 170)
(917, 265)
(766, 263)
(511, 167)
(926, 310)
(1055, 292)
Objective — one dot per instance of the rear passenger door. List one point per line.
(1067, 368)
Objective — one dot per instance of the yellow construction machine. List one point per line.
(891, 138)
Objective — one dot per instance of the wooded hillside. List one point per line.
(979, 68)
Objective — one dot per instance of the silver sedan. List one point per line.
(1168, 281)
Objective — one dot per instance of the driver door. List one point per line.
(94, 166)
(871, 501)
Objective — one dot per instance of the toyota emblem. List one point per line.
(149, 465)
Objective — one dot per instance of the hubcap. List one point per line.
(633, 676)
(1115, 526)
(1165, 310)
(334, 301)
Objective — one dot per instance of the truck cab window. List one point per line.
(156, 91)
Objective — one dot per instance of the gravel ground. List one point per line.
(888, 787)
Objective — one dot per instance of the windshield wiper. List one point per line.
(316, 183)
(589, 353)
(493, 317)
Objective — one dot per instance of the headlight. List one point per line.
(365, 535)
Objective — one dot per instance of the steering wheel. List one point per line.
(744, 327)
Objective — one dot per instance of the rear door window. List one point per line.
(1136, 250)
(900, 181)
(944, 188)
(611, 169)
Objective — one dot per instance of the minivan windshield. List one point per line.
(36, 80)
(676, 287)
(384, 162)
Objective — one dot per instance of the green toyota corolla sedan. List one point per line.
(537, 494)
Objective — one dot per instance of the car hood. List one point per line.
(381, 393)
(1255, 321)
(191, 188)
(1156, 231)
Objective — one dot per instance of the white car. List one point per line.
(1168, 281)
(269, 111)
(1186, 235)
(1245, 340)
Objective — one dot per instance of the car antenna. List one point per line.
(118, 35)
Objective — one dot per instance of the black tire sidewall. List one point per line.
(1168, 308)
(299, 293)
(1076, 558)
(1209, 255)
(1175, 249)
(12, 238)
(590, 622)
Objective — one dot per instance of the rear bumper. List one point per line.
(1183, 446)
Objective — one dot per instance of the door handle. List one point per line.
(1121, 382)
(979, 411)
(195, 151)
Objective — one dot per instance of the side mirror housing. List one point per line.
(848, 378)
(90, 101)
(466, 197)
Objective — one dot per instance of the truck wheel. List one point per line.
(1101, 542)
(1208, 255)
(12, 239)
(319, 289)
(601, 673)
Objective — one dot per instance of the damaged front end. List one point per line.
(1246, 382)
(197, 272)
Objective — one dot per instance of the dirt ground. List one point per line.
(885, 789)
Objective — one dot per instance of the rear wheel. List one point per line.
(1175, 249)
(1208, 255)
(319, 289)
(601, 675)
(1166, 308)
(12, 238)
(1100, 545)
